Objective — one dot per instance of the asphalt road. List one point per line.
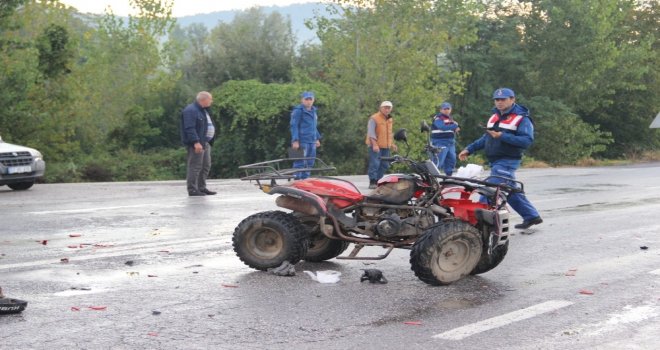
(149, 267)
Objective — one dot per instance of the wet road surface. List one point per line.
(149, 267)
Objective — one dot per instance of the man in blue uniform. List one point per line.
(443, 136)
(509, 132)
(304, 134)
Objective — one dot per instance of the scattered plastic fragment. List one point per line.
(191, 266)
(643, 247)
(97, 308)
(586, 292)
(152, 334)
(75, 235)
(75, 308)
(413, 323)
(72, 246)
(570, 272)
(326, 276)
(152, 275)
(164, 251)
(229, 285)
(132, 273)
(44, 242)
(373, 276)
(155, 312)
(64, 260)
(129, 263)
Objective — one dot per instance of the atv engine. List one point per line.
(395, 222)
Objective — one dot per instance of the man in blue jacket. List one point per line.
(197, 134)
(509, 132)
(443, 136)
(304, 134)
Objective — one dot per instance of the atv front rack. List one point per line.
(273, 170)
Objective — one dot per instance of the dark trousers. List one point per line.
(377, 168)
(199, 165)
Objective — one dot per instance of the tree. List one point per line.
(253, 46)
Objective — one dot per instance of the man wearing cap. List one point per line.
(443, 135)
(509, 131)
(304, 134)
(379, 141)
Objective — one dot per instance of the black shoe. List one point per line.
(528, 223)
(208, 192)
(372, 184)
(196, 193)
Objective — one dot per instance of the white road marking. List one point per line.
(109, 252)
(628, 315)
(502, 320)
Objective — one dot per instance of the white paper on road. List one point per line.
(326, 276)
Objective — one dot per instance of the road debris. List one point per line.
(285, 269)
(570, 272)
(586, 292)
(326, 276)
(373, 276)
(413, 323)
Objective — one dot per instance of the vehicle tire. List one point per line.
(268, 239)
(21, 186)
(446, 252)
(321, 248)
(487, 263)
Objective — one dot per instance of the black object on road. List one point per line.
(374, 276)
(11, 306)
(285, 269)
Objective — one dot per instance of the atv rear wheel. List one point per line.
(321, 248)
(267, 239)
(489, 262)
(446, 252)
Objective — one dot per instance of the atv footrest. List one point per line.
(359, 246)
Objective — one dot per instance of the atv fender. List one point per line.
(300, 201)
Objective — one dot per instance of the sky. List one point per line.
(181, 7)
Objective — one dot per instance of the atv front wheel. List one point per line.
(267, 239)
(489, 262)
(446, 252)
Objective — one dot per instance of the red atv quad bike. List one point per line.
(450, 233)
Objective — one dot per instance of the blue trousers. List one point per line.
(377, 168)
(309, 150)
(517, 201)
(446, 159)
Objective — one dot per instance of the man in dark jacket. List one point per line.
(509, 132)
(197, 134)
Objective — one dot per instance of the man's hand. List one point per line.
(463, 155)
(395, 148)
(318, 143)
(375, 148)
(494, 134)
(295, 145)
(198, 147)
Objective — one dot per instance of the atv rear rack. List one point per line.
(273, 170)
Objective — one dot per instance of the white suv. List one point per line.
(20, 166)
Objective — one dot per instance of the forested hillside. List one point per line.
(101, 96)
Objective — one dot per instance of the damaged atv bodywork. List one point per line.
(452, 226)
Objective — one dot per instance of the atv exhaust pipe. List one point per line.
(297, 205)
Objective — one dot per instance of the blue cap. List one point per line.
(307, 94)
(503, 93)
(445, 105)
